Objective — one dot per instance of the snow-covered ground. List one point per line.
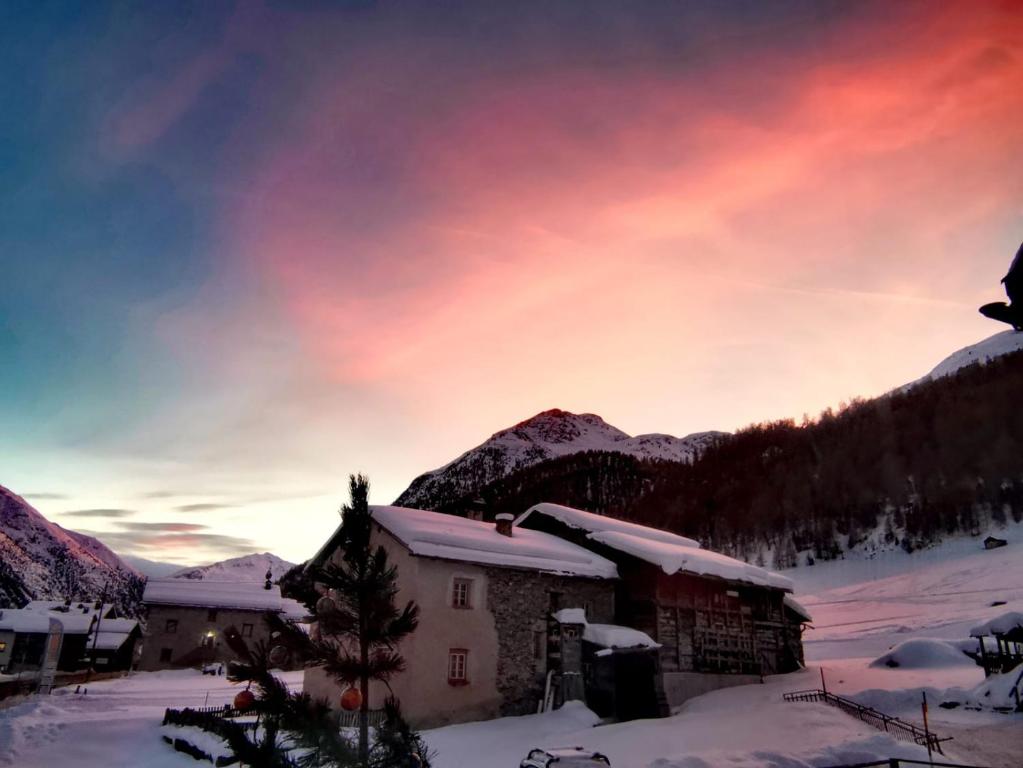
(862, 608)
(116, 724)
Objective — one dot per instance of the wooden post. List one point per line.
(927, 731)
(824, 685)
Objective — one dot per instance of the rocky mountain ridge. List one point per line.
(41, 560)
(549, 435)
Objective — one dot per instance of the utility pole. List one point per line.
(97, 619)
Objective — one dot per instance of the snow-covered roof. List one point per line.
(605, 635)
(671, 552)
(796, 607)
(615, 637)
(35, 617)
(432, 534)
(570, 616)
(593, 523)
(245, 596)
(1000, 625)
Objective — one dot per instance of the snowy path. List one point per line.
(116, 724)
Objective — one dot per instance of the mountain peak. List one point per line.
(247, 568)
(548, 435)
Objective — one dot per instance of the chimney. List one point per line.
(504, 524)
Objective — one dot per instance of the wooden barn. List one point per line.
(718, 621)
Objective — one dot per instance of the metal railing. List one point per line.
(899, 729)
(351, 719)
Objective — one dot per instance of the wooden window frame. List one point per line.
(170, 627)
(455, 666)
(247, 630)
(458, 585)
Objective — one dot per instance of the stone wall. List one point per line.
(521, 602)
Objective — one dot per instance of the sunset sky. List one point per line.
(247, 249)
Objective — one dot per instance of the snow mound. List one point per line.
(1001, 691)
(923, 653)
(1003, 343)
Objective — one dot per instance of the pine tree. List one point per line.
(293, 731)
(358, 638)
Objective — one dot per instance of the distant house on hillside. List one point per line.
(487, 642)
(91, 635)
(718, 621)
(186, 619)
(564, 605)
(993, 542)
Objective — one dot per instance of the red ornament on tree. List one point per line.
(351, 699)
(244, 700)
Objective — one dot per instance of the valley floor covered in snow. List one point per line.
(862, 607)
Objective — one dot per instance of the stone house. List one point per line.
(717, 621)
(186, 619)
(487, 643)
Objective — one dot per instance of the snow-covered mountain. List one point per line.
(153, 569)
(41, 560)
(980, 353)
(248, 568)
(547, 435)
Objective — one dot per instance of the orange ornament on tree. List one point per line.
(351, 699)
(244, 700)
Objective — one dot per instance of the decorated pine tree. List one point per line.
(292, 731)
(360, 624)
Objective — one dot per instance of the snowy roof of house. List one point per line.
(1000, 625)
(239, 595)
(432, 534)
(77, 619)
(796, 607)
(671, 552)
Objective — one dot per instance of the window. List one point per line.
(458, 662)
(539, 646)
(3, 646)
(246, 630)
(461, 593)
(165, 654)
(170, 627)
(211, 614)
(207, 640)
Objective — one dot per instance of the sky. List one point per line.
(249, 248)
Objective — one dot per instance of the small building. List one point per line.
(92, 635)
(717, 621)
(487, 643)
(1001, 643)
(993, 542)
(186, 619)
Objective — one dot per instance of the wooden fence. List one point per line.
(899, 729)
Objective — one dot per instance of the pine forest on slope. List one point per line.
(939, 457)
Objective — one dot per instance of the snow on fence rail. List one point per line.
(900, 729)
(898, 762)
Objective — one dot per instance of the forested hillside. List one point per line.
(942, 457)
